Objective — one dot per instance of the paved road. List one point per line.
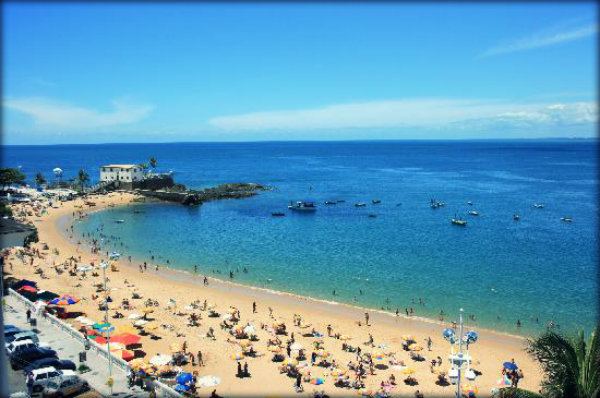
(67, 348)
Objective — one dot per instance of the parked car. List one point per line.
(19, 345)
(24, 357)
(69, 386)
(45, 375)
(22, 335)
(10, 330)
(45, 362)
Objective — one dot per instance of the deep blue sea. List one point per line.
(496, 268)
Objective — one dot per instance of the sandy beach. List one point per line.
(488, 353)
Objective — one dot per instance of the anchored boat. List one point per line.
(303, 207)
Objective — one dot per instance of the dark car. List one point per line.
(50, 361)
(25, 357)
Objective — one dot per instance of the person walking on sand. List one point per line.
(329, 330)
(199, 358)
(367, 318)
(239, 370)
(246, 372)
(205, 281)
(429, 342)
(254, 307)
(28, 315)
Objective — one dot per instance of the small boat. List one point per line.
(566, 219)
(473, 213)
(304, 207)
(376, 201)
(459, 221)
(538, 205)
(329, 202)
(278, 214)
(516, 217)
(119, 221)
(434, 204)
(341, 201)
(372, 215)
(360, 204)
(469, 203)
(398, 204)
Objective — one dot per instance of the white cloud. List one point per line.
(48, 113)
(543, 39)
(411, 113)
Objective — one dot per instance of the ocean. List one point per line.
(533, 270)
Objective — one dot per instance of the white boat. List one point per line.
(302, 206)
(119, 221)
(360, 204)
(469, 202)
(566, 219)
(473, 213)
(538, 205)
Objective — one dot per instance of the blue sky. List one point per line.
(87, 73)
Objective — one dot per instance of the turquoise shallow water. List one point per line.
(537, 267)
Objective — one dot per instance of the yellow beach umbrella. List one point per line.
(274, 348)
(176, 347)
(469, 389)
(147, 310)
(138, 363)
(345, 337)
(408, 337)
(289, 362)
(245, 343)
(305, 325)
(408, 371)
(415, 347)
(125, 329)
(151, 326)
(338, 372)
(237, 356)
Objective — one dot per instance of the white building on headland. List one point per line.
(121, 172)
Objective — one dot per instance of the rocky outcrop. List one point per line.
(192, 197)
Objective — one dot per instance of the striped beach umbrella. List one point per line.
(289, 362)
(99, 325)
(469, 389)
(237, 356)
(338, 372)
(322, 353)
(317, 381)
(378, 355)
(64, 300)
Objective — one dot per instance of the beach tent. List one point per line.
(64, 300)
(27, 288)
(23, 282)
(184, 378)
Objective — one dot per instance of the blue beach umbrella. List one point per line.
(510, 366)
(471, 336)
(184, 378)
(181, 388)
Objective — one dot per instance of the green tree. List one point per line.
(40, 179)
(153, 162)
(82, 178)
(571, 365)
(10, 176)
(144, 167)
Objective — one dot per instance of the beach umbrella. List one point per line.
(383, 346)
(408, 337)
(114, 346)
(238, 356)
(137, 363)
(249, 329)
(46, 295)
(183, 378)
(84, 268)
(134, 316)
(126, 355)
(296, 346)
(161, 359)
(365, 392)
(176, 347)
(289, 362)
(140, 322)
(408, 371)
(469, 389)
(99, 339)
(305, 325)
(151, 326)
(345, 337)
(322, 353)
(415, 347)
(317, 381)
(208, 381)
(64, 300)
(245, 343)
(126, 329)
(378, 355)
(504, 381)
(274, 348)
(39, 305)
(147, 310)
(27, 288)
(126, 338)
(232, 310)
(338, 372)
(98, 326)
(510, 366)
(226, 317)
(181, 388)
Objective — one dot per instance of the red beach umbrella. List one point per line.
(26, 288)
(125, 338)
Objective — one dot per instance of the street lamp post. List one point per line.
(459, 358)
(108, 329)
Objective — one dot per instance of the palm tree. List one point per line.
(144, 167)
(153, 162)
(82, 178)
(40, 179)
(571, 365)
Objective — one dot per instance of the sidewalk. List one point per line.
(67, 347)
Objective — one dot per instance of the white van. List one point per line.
(45, 375)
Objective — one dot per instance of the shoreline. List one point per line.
(174, 273)
(491, 350)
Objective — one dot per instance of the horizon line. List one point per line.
(315, 141)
